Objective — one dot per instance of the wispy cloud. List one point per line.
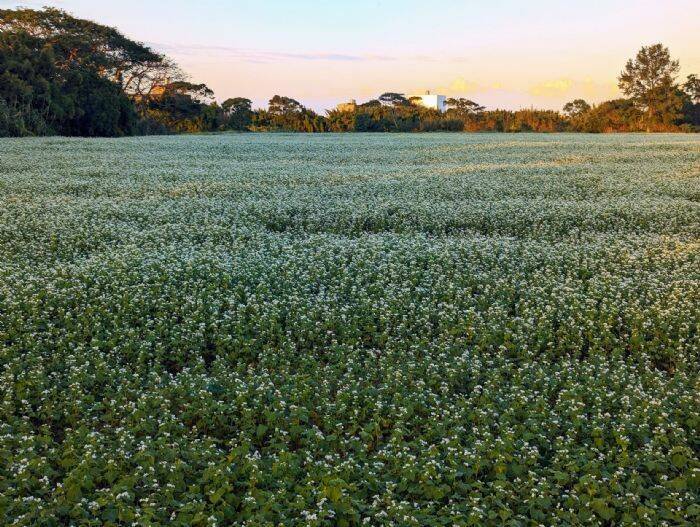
(262, 56)
(266, 56)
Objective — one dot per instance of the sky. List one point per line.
(500, 53)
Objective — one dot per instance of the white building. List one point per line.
(436, 102)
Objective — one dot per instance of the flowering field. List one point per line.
(407, 330)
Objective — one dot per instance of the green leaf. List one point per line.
(73, 492)
(600, 507)
(216, 496)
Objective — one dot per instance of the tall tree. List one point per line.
(237, 104)
(45, 93)
(83, 43)
(61, 74)
(287, 114)
(100, 107)
(649, 79)
(31, 98)
(184, 107)
(691, 104)
(280, 105)
(576, 108)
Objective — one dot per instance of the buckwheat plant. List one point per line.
(384, 330)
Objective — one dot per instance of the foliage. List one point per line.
(100, 107)
(285, 114)
(280, 105)
(517, 121)
(618, 115)
(464, 107)
(238, 112)
(42, 98)
(576, 108)
(393, 99)
(649, 79)
(334, 330)
(184, 107)
(691, 102)
(692, 88)
(79, 43)
(69, 76)
(31, 100)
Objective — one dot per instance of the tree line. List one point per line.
(68, 76)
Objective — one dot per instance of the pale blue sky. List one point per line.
(502, 53)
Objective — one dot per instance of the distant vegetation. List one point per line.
(67, 76)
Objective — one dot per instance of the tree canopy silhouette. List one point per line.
(649, 80)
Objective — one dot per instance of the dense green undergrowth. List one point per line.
(400, 330)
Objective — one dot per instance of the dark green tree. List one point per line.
(238, 113)
(31, 95)
(691, 100)
(184, 107)
(287, 114)
(61, 74)
(692, 88)
(576, 108)
(79, 43)
(280, 105)
(99, 107)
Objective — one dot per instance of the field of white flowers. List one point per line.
(405, 330)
